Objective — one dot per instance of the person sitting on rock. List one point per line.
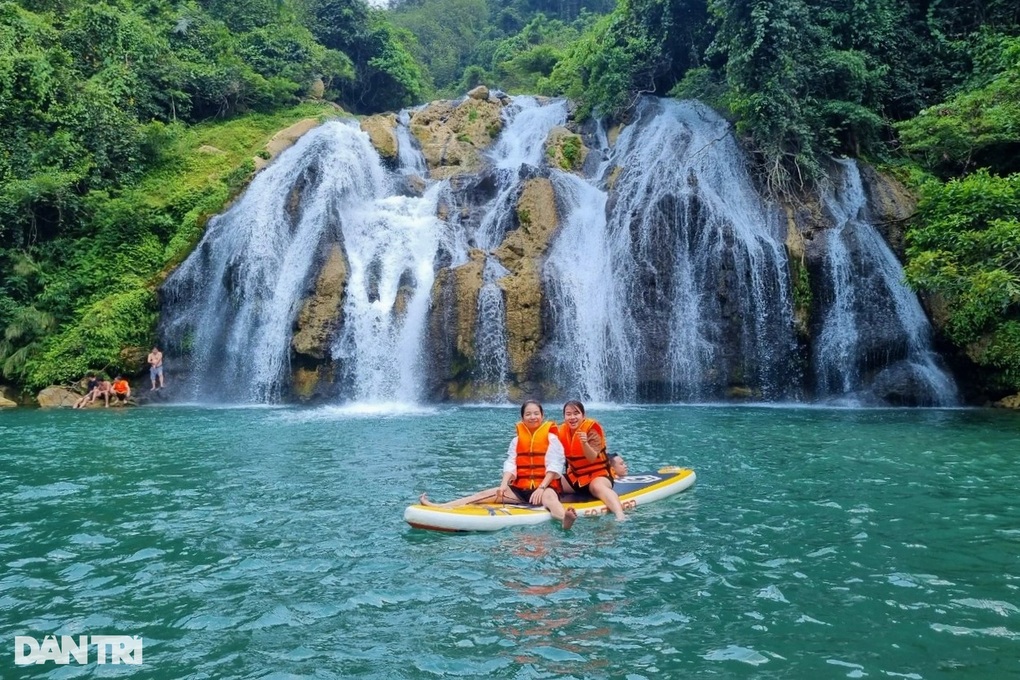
(121, 389)
(103, 389)
(90, 391)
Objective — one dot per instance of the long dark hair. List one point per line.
(536, 403)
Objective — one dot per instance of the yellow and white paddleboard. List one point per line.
(634, 490)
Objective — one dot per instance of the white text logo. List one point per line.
(109, 649)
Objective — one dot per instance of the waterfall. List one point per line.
(231, 305)
(702, 260)
(518, 151)
(667, 279)
(490, 334)
(391, 244)
(520, 146)
(230, 308)
(591, 343)
(411, 160)
(874, 332)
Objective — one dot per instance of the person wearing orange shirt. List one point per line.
(121, 389)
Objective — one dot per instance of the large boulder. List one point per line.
(890, 203)
(452, 321)
(522, 254)
(320, 313)
(382, 132)
(283, 140)
(8, 397)
(453, 135)
(55, 396)
(1012, 401)
(565, 149)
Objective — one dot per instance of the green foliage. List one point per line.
(605, 67)
(447, 33)
(964, 246)
(978, 127)
(106, 327)
(571, 150)
(386, 74)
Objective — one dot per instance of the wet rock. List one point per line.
(382, 132)
(453, 135)
(890, 203)
(522, 253)
(452, 322)
(565, 150)
(481, 92)
(319, 315)
(902, 384)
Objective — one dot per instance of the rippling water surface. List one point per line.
(243, 543)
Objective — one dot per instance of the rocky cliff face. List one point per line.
(455, 140)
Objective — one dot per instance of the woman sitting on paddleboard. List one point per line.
(532, 471)
(588, 467)
(534, 464)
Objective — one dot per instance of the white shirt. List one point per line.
(555, 457)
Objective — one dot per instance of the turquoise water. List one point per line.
(244, 543)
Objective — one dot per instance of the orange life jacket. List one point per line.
(120, 386)
(531, 450)
(580, 470)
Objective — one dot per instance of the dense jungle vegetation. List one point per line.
(127, 123)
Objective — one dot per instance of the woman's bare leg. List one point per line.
(487, 496)
(551, 501)
(602, 489)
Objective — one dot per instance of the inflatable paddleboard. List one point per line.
(634, 490)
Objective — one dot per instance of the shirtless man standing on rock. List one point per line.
(155, 360)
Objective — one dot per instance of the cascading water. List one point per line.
(701, 259)
(408, 155)
(490, 335)
(591, 343)
(666, 280)
(231, 306)
(391, 244)
(527, 125)
(874, 332)
(520, 146)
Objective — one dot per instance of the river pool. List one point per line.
(269, 543)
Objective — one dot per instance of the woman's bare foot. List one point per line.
(424, 500)
(569, 516)
(622, 518)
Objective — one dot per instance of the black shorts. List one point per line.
(523, 495)
(585, 489)
(121, 396)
